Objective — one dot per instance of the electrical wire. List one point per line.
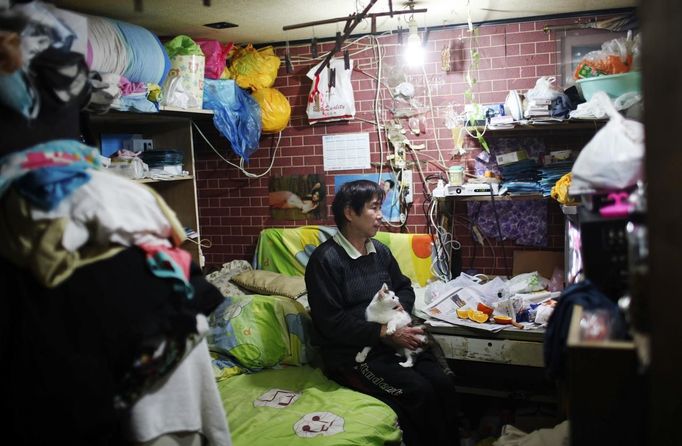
(204, 243)
(499, 233)
(241, 160)
(433, 119)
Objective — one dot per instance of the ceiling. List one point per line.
(261, 21)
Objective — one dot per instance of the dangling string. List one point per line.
(313, 46)
(332, 78)
(287, 60)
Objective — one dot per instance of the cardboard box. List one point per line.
(512, 157)
(543, 262)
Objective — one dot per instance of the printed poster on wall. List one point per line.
(346, 151)
(390, 208)
(297, 197)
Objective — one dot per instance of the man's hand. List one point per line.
(404, 337)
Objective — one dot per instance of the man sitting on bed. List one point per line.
(342, 276)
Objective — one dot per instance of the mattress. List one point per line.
(300, 406)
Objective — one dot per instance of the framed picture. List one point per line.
(574, 44)
(390, 208)
(297, 197)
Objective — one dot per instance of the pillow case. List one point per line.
(221, 279)
(257, 332)
(271, 283)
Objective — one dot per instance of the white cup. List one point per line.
(456, 175)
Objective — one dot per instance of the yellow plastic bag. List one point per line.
(275, 109)
(560, 190)
(255, 69)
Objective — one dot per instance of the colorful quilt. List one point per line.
(300, 406)
(253, 332)
(287, 250)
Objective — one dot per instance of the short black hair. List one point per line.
(391, 182)
(354, 194)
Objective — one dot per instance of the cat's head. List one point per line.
(387, 297)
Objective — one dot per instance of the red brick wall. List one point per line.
(233, 208)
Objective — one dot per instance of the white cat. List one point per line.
(385, 308)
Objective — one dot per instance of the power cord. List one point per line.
(499, 233)
(241, 160)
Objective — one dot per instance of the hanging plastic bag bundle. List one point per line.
(331, 95)
(236, 115)
(274, 107)
(614, 157)
(216, 55)
(184, 86)
(253, 68)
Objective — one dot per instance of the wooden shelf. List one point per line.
(165, 180)
(504, 197)
(497, 197)
(168, 130)
(549, 127)
(164, 113)
(193, 111)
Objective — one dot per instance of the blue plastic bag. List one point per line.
(236, 115)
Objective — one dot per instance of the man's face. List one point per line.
(369, 220)
(387, 186)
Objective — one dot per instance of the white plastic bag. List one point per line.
(333, 103)
(527, 283)
(614, 157)
(544, 90)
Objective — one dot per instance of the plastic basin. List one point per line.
(613, 85)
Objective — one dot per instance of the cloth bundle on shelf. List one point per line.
(126, 49)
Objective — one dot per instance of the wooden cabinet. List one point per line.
(167, 130)
(606, 394)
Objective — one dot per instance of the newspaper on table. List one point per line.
(445, 308)
(466, 292)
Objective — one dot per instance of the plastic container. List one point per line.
(456, 175)
(613, 85)
(189, 71)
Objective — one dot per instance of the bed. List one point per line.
(271, 389)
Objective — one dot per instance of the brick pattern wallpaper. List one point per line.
(234, 208)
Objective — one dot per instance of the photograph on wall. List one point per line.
(390, 208)
(297, 197)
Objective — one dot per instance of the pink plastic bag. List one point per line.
(216, 54)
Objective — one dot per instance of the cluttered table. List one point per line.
(510, 345)
(487, 335)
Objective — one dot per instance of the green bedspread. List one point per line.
(300, 406)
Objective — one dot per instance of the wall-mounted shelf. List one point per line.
(506, 197)
(498, 197)
(168, 130)
(193, 111)
(548, 127)
(165, 180)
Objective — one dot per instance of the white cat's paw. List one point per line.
(360, 357)
(407, 363)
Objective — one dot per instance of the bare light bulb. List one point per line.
(414, 53)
